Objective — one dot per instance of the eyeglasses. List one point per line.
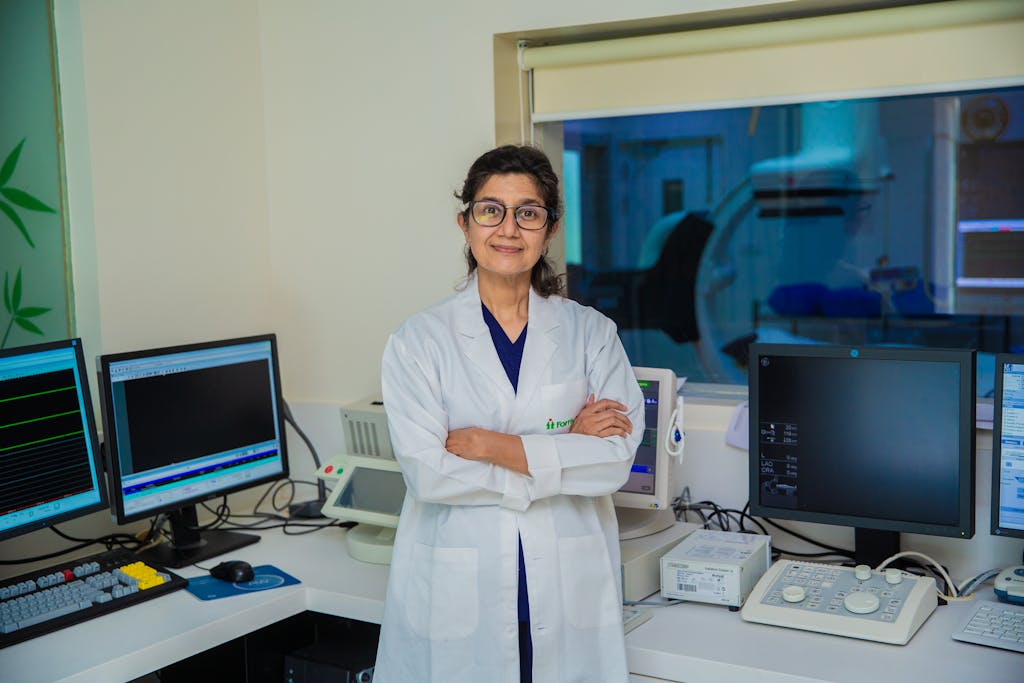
(527, 216)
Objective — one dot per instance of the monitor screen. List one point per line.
(1008, 447)
(880, 439)
(642, 476)
(643, 504)
(186, 424)
(49, 459)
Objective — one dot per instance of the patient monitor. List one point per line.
(644, 503)
(369, 491)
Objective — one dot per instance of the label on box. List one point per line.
(710, 584)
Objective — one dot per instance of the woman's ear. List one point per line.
(555, 227)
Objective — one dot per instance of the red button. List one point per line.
(328, 469)
(69, 575)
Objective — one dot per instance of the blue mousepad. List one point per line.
(266, 577)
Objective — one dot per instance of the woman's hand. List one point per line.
(468, 443)
(474, 443)
(602, 418)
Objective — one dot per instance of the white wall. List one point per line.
(289, 167)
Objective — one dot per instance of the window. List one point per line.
(884, 221)
(847, 179)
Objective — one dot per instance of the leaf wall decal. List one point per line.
(13, 215)
(24, 200)
(7, 170)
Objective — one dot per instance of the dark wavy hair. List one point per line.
(522, 160)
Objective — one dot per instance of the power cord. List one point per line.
(308, 509)
(950, 586)
(675, 434)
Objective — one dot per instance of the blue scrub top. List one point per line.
(511, 355)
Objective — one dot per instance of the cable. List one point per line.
(652, 603)
(675, 434)
(942, 572)
(309, 509)
(970, 585)
(110, 540)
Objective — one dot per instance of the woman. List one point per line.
(514, 413)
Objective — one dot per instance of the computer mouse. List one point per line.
(234, 571)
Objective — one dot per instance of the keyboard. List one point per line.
(43, 601)
(995, 624)
(887, 607)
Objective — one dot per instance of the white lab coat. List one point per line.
(450, 615)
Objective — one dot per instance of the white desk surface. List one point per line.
(689, 642)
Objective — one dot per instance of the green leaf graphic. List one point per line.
(24, 200)
(26, 325)
(7, 296)
(16, 294)
(9, 210)
(7, 170)
(31, 311)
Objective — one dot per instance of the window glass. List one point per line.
(883, 221)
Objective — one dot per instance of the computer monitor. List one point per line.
(49, 458)
(644, 503)
(1008, 447)
(186, 424)
(879, 439)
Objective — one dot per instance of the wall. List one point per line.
(289, 166)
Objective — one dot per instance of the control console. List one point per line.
(857, 602)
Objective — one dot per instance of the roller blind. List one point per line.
(922, 48)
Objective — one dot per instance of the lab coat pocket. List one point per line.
(588, 586)
(562, 403)
(442, 602)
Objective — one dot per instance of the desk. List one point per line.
(692, 642)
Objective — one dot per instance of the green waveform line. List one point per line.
(39, 441)
(38, 393)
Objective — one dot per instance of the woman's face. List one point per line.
(506, 249)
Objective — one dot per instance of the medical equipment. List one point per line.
(644, 503)
(717, 567)
(856, 602)
(369, 491)
(366, 428)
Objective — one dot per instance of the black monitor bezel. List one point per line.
(997, 444)
(75, 344)
(965, 358)
(111, 450)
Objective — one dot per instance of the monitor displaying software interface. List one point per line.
(191, 424)
(876, 438)
(642, 475)
(48, 452)
(1008, 448)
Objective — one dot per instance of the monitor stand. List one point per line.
(189, 544)
(634, 523)
(874, 546)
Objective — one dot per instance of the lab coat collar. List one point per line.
(477, 344)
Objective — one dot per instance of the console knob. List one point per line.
(793, 593)
(862, 572)
(861, 602)
(893, 576)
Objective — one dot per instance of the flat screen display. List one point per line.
(879, 438)
(49, 463)
(1008, 447)
(187, 424)
(644, 471)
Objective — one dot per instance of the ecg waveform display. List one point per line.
(44, 455)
